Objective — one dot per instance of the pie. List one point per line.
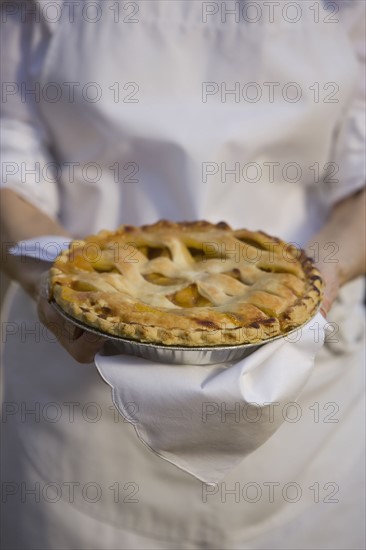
(187, 284)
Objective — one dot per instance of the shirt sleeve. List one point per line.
(27, 165)
(349, 147)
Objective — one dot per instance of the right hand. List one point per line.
(81, 345)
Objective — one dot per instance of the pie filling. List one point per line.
(188, 283)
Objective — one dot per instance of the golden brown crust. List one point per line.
(187, 284)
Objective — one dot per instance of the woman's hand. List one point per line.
(81, 345)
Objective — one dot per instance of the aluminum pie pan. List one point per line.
(175, 355)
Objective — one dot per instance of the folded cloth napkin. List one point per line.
(204, 419)
(207, 419)
(45, 248)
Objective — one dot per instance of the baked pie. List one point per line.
(187, 284)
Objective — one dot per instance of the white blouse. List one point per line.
(164, 109)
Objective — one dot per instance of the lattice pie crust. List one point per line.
(188, 284)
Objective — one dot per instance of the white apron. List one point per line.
(140, 107)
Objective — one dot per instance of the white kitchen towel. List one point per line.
(204, 419)
(207, 419)
(45, 248)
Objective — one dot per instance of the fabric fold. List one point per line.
(207, 419)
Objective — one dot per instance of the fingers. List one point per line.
(325, 306)
(85, 347)
(323, 312)
(81, 345)
(332, 286)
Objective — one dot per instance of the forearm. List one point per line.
(21, 220)
(346, 229)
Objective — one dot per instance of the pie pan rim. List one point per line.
(120, 339)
